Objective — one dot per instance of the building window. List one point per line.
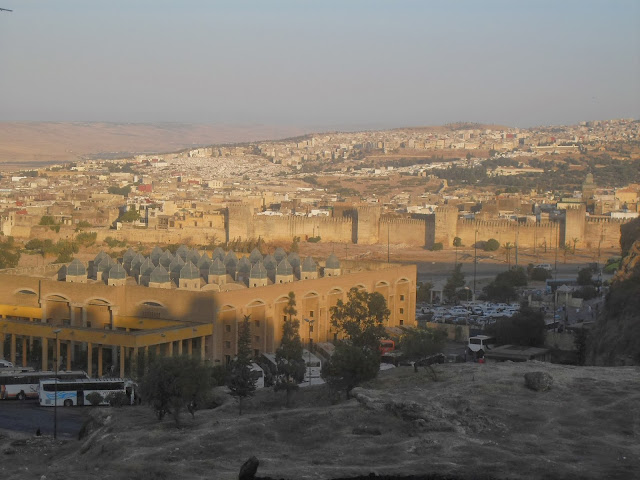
(311, 313)
(402, 298)
(257, 339)
(227, 359)
(401, 322)
(227, 328)
(310, 327)
(227, 344)
(401, 310)
(256, 352)
(257, 323)
(284, 318)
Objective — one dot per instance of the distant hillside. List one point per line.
(50, 142)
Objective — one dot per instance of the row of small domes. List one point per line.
(190, 264)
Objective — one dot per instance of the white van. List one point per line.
(6, 364)
(481, 343)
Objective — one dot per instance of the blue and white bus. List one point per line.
(24, 383)
(75, 392)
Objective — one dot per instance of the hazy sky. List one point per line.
(321, 64)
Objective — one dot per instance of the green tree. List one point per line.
(502, 288)
(423, 292)
(356, 357)
(437, 247)
(491, 245)
(526, 328)
(47, 220)
(349, 366)
(454, 282)
(295, 245)
(129, 216)
(241, 380)
(585, 276)
(9, 254)
(172, 383)
(457, 242)
(361, 319)
(290, 363)
(420, 342)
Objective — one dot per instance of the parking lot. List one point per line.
(27, 416)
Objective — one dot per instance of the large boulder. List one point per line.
(538, 381)
(249, 469)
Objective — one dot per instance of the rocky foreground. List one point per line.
(455, 421)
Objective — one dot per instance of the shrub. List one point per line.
(587, 292)
(313, 239)
(540, 274)
(491, 245)
(95, 398)
(437, 246)
(117, 399)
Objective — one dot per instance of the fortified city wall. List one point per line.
(364, 225)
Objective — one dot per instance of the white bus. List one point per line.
(24, 383)
(75, 392)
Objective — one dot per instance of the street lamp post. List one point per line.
(310, 322)
(475, 262)
(55, 394)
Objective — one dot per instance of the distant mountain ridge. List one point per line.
(51, 142)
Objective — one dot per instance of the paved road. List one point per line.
(439, 271)
(27, 416)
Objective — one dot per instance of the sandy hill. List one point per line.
(475, 421)
(47, 142)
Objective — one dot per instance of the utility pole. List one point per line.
(388, 244)
(55, 382)
(475, 262)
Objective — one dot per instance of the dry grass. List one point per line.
(476, 420)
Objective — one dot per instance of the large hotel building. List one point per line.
(108, 313)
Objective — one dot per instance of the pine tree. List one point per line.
(241, 380)
(289, 354)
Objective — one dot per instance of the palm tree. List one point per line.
(508, 246)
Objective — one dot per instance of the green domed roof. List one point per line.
(308, 265)
(218, 253)
(182, 252)
(176, 265)
(284, 268)
(189, 271)
(105, 265)
(294, 260)
(147, 267)
(255, 256)
(332, 261)
(76, 268)
(217, 268)
(193, 256)
(204, 261)
(100, 257)
(156, 253)
(137, 260)
(244, 265)
(159, 275)
(269, 262)
(258, 271)
(128, 256)
(231, 257)
(166, 259)
(279, 254)
(117, 272)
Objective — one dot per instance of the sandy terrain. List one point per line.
(39, 143)
(475, 420)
